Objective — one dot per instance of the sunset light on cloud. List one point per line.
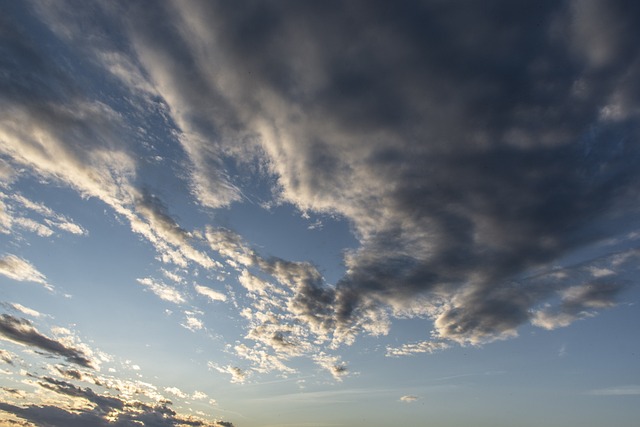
(319, 213)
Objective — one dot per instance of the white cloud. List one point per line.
(21, 270)
(176, 392)
(193, 323)
(162, 290)
(238, 376)
(26, 310)
(409, 398)
(417, 348)
(210, 293)
(199, 395)
(333, 364)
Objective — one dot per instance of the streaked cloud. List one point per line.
(19, 269)
(625, 390)
(22, 332)
(210, 293)
(417, 348)
(25, 310)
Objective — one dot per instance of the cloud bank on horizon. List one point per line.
(473, 150)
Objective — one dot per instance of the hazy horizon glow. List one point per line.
(291, 213)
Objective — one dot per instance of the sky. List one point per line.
(317, 214)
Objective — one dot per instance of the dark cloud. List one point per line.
(104, 404)
(23, 332)
(152, 416)
(72, 374)
(488, 132)
(469, 146)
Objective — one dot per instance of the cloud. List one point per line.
(21, 270)
(50, 217)
(578, 302)
(162, 290)
(7, 356)
(409, 399)
(90, 146)
(25, 310)
(332, 364)
(176, 392)
(104, 411)
(22, 332)
(210, 293)
(238, 376)
(626, 390)
(372, 132)
(193, 323)
(471, 170)
(417, 348)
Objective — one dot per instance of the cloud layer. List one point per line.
(473, 150)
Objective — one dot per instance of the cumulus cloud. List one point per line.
(21, 331)
(19, 269)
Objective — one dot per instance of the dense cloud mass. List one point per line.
(465, 160)
(474, 150)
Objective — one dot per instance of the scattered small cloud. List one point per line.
(238, 376)
(193, 323)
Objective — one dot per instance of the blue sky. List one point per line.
(316, 214)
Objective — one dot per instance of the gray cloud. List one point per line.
(22, 332)
(470, 147)
(136, 414)
(463, 163)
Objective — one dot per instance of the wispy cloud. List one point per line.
(19, 269)
(237, 375)
(625, 390)
(162, 290)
